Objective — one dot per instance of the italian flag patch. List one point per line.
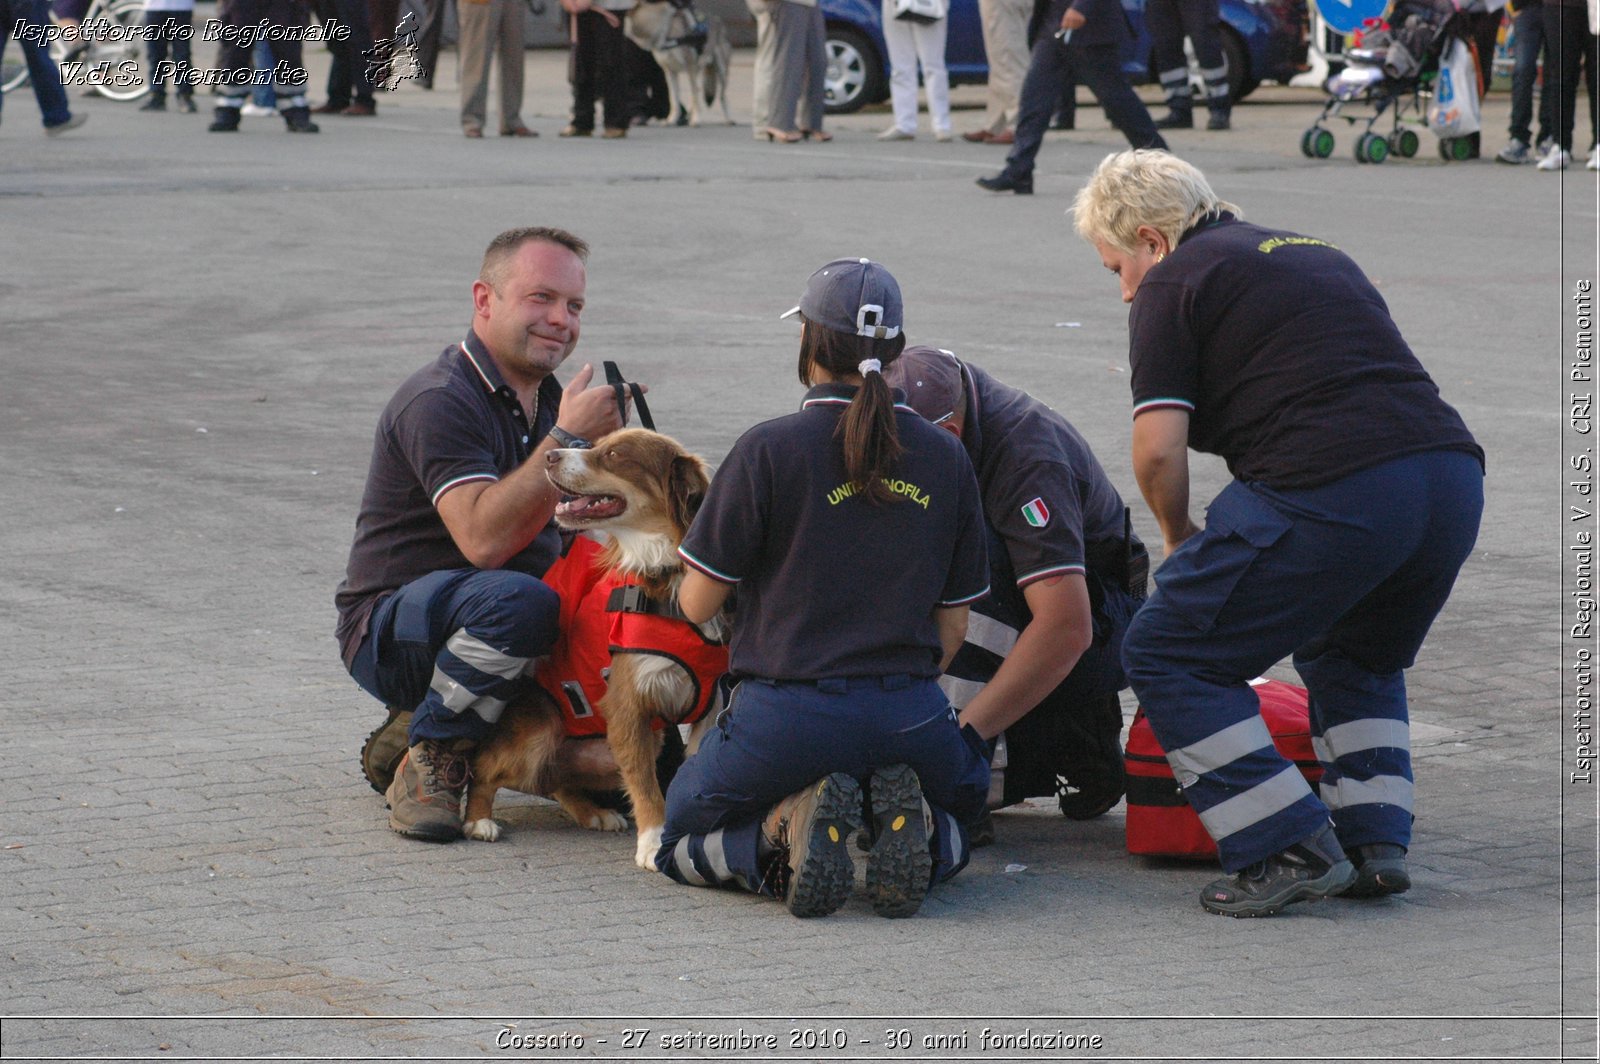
(1036, 513)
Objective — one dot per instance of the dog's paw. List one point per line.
(485, 830)
(606, 820)
(644, 854)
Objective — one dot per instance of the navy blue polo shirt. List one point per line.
(1285, 357)
(832, 584)
(453, 422)
(1044, 491)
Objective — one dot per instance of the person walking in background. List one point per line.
(912, 38)
(46, 79)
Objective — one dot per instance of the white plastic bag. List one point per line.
(1454, 110)
(925, 11)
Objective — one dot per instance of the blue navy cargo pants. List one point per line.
(1347, 577)
(777, 737)
(453, 647)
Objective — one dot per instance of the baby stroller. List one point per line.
(1391, 67)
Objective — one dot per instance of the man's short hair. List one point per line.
(504, 247)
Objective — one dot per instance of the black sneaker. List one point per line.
(1002, 182)
(224, 120)
(814, 872)
(425, 797)
(981, 833)
(1219, 120)
(900, 868)
(1176, 119)
(1312, 868)
(298, 120)
(154, 103)
(1380, 871)
(381, 753)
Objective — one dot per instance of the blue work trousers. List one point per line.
(776, 738)
(42, 72)
(1347, 577)
(454, 647)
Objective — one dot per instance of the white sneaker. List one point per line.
(943, 136)
(896, 133)
(1594, 159)
(255, 110)
(1556, 160)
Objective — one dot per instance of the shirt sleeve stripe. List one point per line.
(1054, 570)
(715, 574)
(458, 481)
(969, 598)
(1161, 403)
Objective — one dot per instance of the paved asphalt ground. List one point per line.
(198, 333)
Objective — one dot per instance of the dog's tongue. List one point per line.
(589, 507)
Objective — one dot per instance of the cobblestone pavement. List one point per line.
(198, 333)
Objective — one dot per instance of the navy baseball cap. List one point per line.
(931, 379)
(857, 297)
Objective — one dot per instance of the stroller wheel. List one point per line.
(1455, 149)
(1371, 148)
(1406, 143)
(1316, 143)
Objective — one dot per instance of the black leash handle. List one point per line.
(622, 387)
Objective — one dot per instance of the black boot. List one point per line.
(1177, 118)
(156, 102)
(1004, 182)
(1315, 867)
(298, 120)
(1380, 870)
(225, 120)
(1220, 119)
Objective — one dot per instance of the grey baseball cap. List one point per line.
(931, 379)
(853, 296)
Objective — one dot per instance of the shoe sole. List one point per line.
(1334, 881)
(900, 865)
(1379, 878)
(824, 875)
(381, 753)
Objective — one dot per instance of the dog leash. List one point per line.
(622, 388)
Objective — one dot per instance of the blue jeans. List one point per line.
(1529, 38)
(1348, 577)
(454, 647)
(42, 70)
(776, 738)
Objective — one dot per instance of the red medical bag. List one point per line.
(1160, 821)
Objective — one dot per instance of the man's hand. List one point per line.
(1073, 19)
(1047, 650)
(591, 412)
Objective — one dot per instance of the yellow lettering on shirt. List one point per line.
(1267, 247)
(897, 487)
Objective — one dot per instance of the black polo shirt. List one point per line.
(1044, 492)
(1285, 356)
(832, 584)
(453, 422)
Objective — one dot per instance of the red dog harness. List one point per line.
(601, 615)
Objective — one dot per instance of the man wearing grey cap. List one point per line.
(1039, 672)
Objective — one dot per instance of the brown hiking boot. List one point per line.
(425, 797)
(814, 872)
(381, 753)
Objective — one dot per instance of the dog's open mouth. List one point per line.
(576, 508)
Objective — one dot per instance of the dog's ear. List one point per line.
(687, 487)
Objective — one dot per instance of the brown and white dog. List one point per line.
(642, 489)
(660, 28)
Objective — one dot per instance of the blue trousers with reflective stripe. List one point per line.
(776, 738)
(1348, 577)
(453, 647)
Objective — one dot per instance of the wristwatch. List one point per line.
(568, 440)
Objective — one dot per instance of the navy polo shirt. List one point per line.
(1285, 356)
(1044, 492)
(832, 584)
(453, 422)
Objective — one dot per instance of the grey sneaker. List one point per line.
(900, 868)
(425, 797)
(72, 122)
(809, 829)
(1312, 868)
(1380, 871)
(1516, 153)
(381, 753)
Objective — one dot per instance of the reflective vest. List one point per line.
(598, 617)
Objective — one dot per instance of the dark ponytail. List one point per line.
(871, 441)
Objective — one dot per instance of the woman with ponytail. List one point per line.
(854, 532)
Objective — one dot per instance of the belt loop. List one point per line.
(833, 686)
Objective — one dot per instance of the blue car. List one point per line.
(1265, 40)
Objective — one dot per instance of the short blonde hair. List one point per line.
(1142, 187)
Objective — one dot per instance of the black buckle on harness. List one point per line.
(631, 598)
(622, 388)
